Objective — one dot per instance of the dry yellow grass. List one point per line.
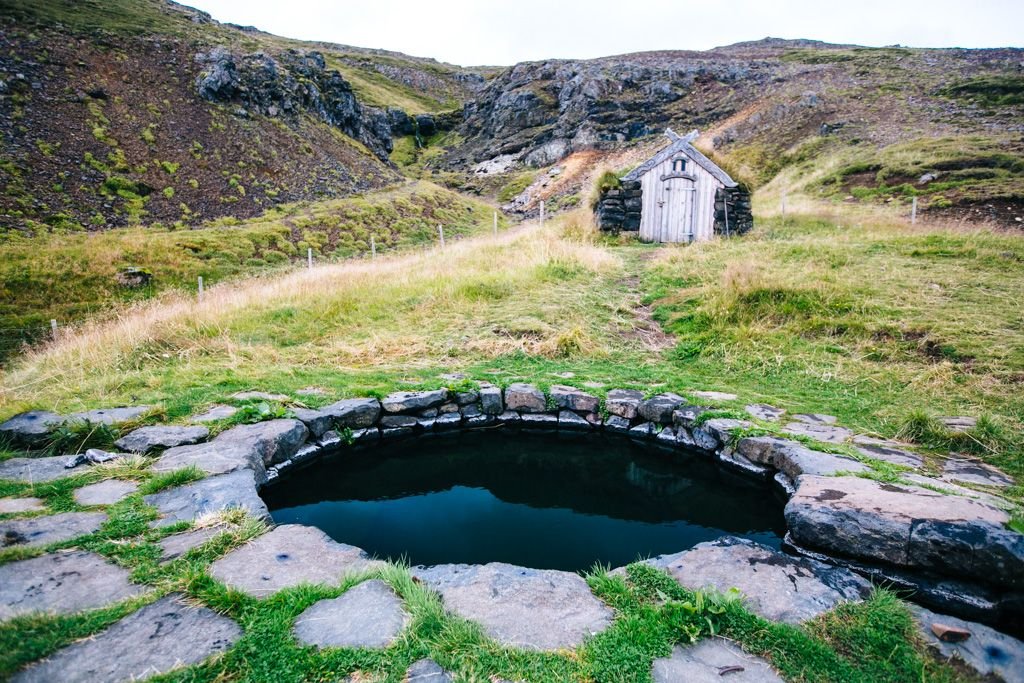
(482, 297)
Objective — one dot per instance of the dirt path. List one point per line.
(645, 330)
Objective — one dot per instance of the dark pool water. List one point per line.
(541, 501)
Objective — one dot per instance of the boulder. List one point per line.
(273, 440)
(659, 408)
(776, 586)
(368, 615)
(40, 531)
(907, 526)
(412, 401)
(571, 398)
(62, 583)
(222, 492)
(354, 413)
(287, 556)
(31, 428)
(624, 403)
(491, 402)
(525, 398)
(535, 609)
(166, 635)
(573, 422)
(146, 439)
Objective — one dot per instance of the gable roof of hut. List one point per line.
(681, 144)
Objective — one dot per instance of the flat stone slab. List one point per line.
(367, 615)
(251, 447)
(763, 411)
(176, 545)
(712, 660)
(32, 470)
(213, 494)
(37, 531)
(987, 651)
(959, 423)
(411, 401)
(287, 556)
(888, 451)
(146, 439)
(535, 609)
(777, 586)
(213, 457)
(30, 428)
(815, 418)
(218, 412)
(659, 408)
(106, 492)
(259, 396)
(165, 635)
(110, 416)
(16, 505)
(62, 583)
(968, 471)
(820, 431)
(907, 526)
(427, 671)
(793, 458)
(715, 395)
(354, 413)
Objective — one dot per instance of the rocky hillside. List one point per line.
(769, 104)
(145, 111)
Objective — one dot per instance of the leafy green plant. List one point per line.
(260, 412)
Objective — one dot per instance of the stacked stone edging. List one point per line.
(618, 209)
(966, 562)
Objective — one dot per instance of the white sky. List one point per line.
(476, 32)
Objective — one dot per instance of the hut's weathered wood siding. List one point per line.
(678, 206)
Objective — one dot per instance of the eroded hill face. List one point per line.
(768, 105)
(143, 111)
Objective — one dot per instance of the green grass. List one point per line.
(70, 276)
(871, 322)
(872, 641)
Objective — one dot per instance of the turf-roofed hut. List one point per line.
(678, 195)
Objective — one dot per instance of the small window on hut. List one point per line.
(678, 165)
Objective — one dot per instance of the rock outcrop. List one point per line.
(295, 82)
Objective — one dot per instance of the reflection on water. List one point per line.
(541, 501)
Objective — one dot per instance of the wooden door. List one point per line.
(676, 224)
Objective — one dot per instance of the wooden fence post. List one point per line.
(309, 258)
(53, 327)
(200, 296)
(373, 248)
(913, 211)
(440, 231)
(495, 223)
